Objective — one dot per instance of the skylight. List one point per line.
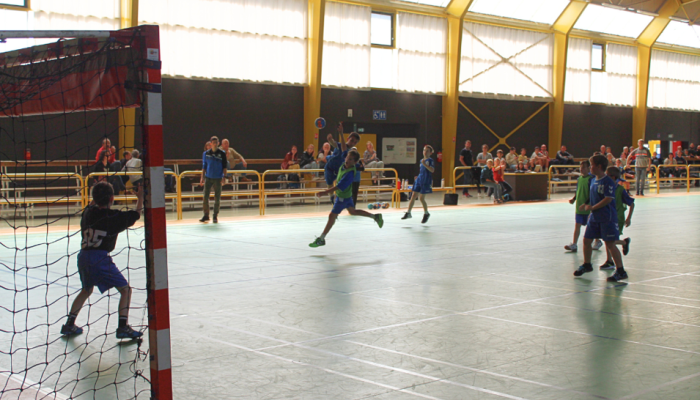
(680, 34)
(612, 21)
(542, 11)
(436, 3)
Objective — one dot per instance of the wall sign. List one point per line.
(379, 115)
(399, 150)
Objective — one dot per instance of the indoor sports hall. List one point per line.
(366, 199)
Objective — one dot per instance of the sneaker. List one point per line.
(607, 265)
(626, 246)
(573, 247)
(618, 276)
(597, 244)
(204, 218)
(467, 195)
(407, 216)
(215, 220)
(379, 220)
(583, 269)
(426, 216)
(70, 330)
(126, 332)
(318, 242)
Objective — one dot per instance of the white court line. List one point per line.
(391, 368)
(28, 384)
(643, 392)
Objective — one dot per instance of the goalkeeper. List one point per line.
(100, 227)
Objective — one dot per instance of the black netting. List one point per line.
(59, 105)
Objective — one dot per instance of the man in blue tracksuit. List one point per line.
(213, 172)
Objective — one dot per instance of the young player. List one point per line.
(340, 152)
(100, 227)
(583, 186)
(622, 201)
(423, 184)
(343, 198)
(602, 222)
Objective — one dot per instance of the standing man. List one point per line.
(466, 158)
(213, 172)
(642, 158)
(231, 157)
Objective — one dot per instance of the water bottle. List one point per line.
(442, 183)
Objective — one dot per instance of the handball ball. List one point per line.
(385, 205)
(370, 206)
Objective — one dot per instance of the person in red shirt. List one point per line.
(505, 186)
(498, 169)
(106, 146)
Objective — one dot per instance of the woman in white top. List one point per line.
(371, 160)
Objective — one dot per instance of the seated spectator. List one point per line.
(323, 155)
(545, 154)
(106, 147)
(666, 171)
(564, 157)
(611, 159)
(523, 158)
(308, 159)
(499, 157)
(679, 160)
(126, 157)
(521, 167)
(505, 186)
(537, 160)
(135, 165)
(207, 146)
(623, 156)
(608, 150)
(487, 179)
(370, 160)
(102, 165)
(291, 160)
(692, 150)
(603, 149)
(512, 159)
(232, 158)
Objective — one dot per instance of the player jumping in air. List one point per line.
(100, 227)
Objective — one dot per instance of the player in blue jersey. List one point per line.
(423, 184)
(100, 227)
(602, 223)
(343, 197)
(622, 201)
(340, 152)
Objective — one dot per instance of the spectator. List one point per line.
(207, 146)
(545, 157)
(231, 160)
(487, 179)
(323, 155)
(213, 172)
(564, 157)
(667, 171)
(466, 158)
(482, 162)
(106, 147)
(512, 159)
(624, 155)
(308, 160)
(522, 167)
(692, 150)
(603, 149)
(522, 158)
(611, 159)
(608, 150)
(499, 157)
(135, 165)
(642, 163)
(505, 186)
(680, 160)
(370, 160)
(291, 160)
(102, 165)
(536, 160)
(126, 157)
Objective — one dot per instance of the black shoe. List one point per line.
(626, 246)
(215, 220)
(70, 330)
(618, 276)
(426, 216)
(126, 332)
(583, 269)
(407, 216)
(607, 265)
(204, 218)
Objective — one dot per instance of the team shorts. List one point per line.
(342, 204)
(96, 268)
(582, 219)
(605, 231)
(421, 188)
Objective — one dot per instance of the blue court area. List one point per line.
(479, 303)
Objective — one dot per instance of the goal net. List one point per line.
(69, 110)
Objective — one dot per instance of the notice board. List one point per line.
(399, 150)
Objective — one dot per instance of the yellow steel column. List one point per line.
(450, 102)
(561, 27)
(312, 92)
(644, 43)
(129, 16)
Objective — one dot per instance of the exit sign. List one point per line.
(379, 115)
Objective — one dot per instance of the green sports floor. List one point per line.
(479, 303)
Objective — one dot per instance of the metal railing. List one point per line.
(18, 200)
(687, 179)
(125, 197)
(224, 194)
(553, 184)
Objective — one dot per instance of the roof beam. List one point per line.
(450, 103)
(645, 41)
(562, 27)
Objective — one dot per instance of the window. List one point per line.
(542, 11)
(382, 29)
(434, 3)
(680, 34)
(598, 57)
(612, 21)
(383, 68)
(14, 3)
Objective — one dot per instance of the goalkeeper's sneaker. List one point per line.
(126, 332)
(597, 244)
(379, 220)
(70, 330)
(318, 242)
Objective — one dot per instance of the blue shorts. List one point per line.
(422, 189)
(341, 204)
(582, 219)
(96, 268)
(606, 231)
(333, 163)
